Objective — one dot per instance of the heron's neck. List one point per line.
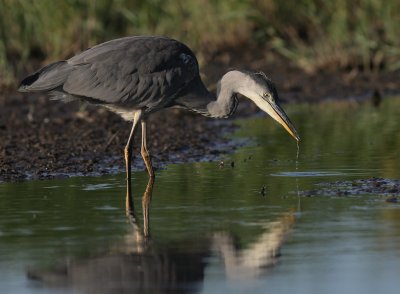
(225, 102)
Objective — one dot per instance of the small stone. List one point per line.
(392, 199)
(263, 191)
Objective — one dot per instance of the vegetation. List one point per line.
(340, 34)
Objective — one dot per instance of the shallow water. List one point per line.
(242, 229)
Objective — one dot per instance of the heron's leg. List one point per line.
(128, 158)
(146, 199)
(145, 152)
(140, 237)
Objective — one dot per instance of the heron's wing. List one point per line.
(132, 71)
(47, 78)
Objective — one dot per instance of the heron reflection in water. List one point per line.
(139, 264)
(137, 76)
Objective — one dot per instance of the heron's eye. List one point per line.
(268, 96)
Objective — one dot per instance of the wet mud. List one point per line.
(43, 139)
(388, 188)
(46, 139)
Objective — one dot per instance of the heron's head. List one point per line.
(259, 88)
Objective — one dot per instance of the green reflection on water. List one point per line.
(336, 135)
(210, 223)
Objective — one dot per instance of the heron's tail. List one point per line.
(47, 78)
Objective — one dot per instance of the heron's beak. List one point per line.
(278, 114)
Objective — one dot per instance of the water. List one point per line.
(246, 229)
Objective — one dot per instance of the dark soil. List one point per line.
(45, 139)
(41, 138)
(372, 186)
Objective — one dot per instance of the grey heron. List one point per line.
(136, 76)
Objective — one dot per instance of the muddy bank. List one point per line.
(41, 138)
(46, 139)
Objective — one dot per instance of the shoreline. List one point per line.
(90, 142)
(42, 139)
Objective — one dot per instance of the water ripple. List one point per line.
(324, 173)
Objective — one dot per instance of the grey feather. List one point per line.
(47, 78)
(139, 72)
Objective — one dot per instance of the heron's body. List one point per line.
(124, 75)
(135, 76)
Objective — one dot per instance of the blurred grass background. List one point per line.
(312, 34)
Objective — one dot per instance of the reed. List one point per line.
(314, 34)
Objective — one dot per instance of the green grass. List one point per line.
(314, 34)
(338, 34)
